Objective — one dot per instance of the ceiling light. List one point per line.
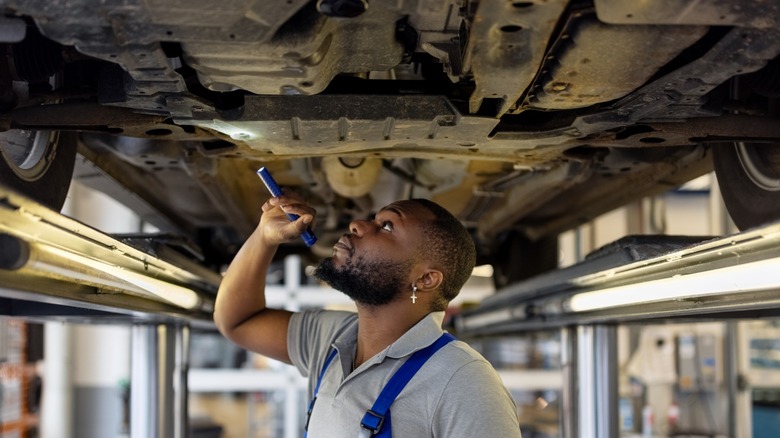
(483, 271)
(174, 294)
(747, 277)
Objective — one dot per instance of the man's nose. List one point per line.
(358, 227)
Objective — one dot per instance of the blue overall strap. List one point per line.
(374, 418)
(328, 360)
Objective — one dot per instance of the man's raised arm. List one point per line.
(240, 312)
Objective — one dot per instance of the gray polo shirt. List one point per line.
(457, 393)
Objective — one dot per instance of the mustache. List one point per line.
(350, 244)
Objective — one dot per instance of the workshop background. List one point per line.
(72, 380)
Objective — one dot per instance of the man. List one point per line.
(401, 267)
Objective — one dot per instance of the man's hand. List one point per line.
(275, 227)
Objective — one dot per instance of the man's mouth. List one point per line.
(344, 244)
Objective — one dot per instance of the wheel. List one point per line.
(749, 179)
(38, 164)
(519, 258)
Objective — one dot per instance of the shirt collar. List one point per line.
(346, 344)
(421, 335)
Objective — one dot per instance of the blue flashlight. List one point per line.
(272, 187)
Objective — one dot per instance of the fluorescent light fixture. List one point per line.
(138, 283)
(486, 319)
(483, 271)
(747, 277)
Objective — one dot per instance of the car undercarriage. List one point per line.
(523, 118)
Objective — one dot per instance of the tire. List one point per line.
(749, 179)
(38, 164)
(519, 258)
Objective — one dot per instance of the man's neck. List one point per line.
(378, 327)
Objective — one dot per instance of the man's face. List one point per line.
(373, 263)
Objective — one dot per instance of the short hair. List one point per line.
(447, 241)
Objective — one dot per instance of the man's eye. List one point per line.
(387, 226)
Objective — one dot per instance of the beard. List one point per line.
(372, 283)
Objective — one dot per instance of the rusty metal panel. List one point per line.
(595, 62)
(747, 13)
(303, 60)
(507, 44)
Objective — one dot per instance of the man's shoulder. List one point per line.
(459, 375)
(465, 353)
(460, 358)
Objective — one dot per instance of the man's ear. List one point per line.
(431, 280)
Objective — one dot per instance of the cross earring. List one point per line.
(414, 297)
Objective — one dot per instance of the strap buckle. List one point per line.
(372, 422)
